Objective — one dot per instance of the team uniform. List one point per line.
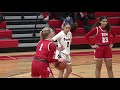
(103, 40)
(44, 55)
(64, 40)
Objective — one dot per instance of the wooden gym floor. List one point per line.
(18, 65)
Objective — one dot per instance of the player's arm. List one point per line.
(58, 37)
(114, 36)
(52, 48)
(113, 40)
(70, 38)
(90, 33)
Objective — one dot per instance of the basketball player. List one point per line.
(64, 39)
(103, 47)
(44, 55)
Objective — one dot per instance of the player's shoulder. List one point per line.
(52, 44)
(61, 32)
(95, 28)
(39, 41)
(69, 33)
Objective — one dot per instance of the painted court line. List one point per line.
(77, 75)
(16, 57)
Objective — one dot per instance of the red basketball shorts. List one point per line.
(40, 69)
(103, 52)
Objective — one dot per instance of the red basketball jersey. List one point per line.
(45, 50)
(103, 37)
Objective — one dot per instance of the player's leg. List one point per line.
(69, 66)
(98, 60)
(61, 72)
(108, 61)
(34, 72)
(68, 70)
(51, 74)
(98, 67)
(46, 72)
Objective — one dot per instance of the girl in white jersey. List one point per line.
(64, 39)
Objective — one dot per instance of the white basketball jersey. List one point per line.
(65, 40)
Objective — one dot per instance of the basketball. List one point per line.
(60, 65)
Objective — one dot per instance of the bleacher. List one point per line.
(6, 40)
(78, 35)
(19, 33)
(3, 25)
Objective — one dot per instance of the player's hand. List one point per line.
(111, 45)
(95, 46)
(61, 60)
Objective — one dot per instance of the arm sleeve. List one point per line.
(50, 59)
(90, 33)
(114, 36)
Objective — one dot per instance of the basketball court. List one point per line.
(18, 65)
(17, 35)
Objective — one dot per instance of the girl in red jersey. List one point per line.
(103, 47)
(44, 55)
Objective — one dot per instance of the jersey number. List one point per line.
(67, 44)
(41, 47)
(104, 39)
